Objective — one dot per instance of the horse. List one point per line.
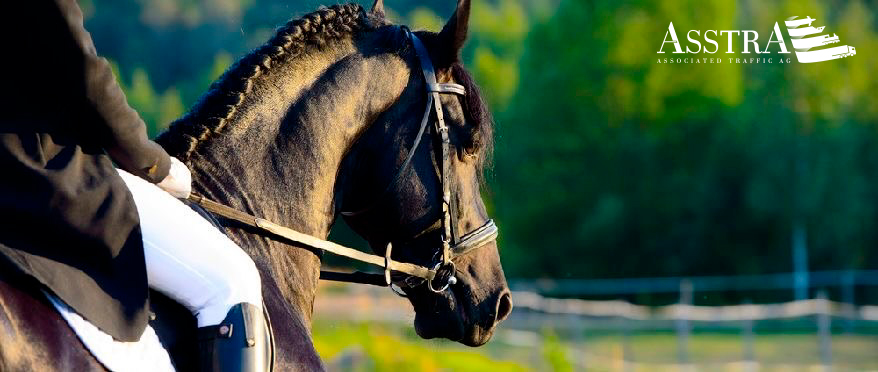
(313, 123)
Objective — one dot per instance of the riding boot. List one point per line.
(242, 342)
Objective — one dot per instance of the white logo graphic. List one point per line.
(803, 45)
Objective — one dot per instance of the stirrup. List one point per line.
(240, 343)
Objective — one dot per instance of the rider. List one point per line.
(96, 236)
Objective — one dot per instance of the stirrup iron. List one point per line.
(240, 343)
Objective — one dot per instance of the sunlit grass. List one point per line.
(351, 346)
(361, 347)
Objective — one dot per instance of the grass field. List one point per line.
(352, 346)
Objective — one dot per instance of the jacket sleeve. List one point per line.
(121, 131)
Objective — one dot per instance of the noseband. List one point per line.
(441, 274)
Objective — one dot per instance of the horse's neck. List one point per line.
(279, 156)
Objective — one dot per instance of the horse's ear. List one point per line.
(453, 35)
(378, 9)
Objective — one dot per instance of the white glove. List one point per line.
(178, 182)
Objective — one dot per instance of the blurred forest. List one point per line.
(607, 164)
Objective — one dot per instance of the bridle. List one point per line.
(452, 246)
(441, 274)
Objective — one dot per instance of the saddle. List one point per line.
(162, 347)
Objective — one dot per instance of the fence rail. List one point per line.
(623, 309)
(584, 287)
(576, 318)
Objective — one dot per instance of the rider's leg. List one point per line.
(188, 259)
(192, 262)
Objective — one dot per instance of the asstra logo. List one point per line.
(809, 43)
(801, 32)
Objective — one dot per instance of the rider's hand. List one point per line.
(178, 182)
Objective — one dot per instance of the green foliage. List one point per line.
(424, 18)
(554, 351)
(156, 109)
(502, 75)
(635, 168)
(497, 43)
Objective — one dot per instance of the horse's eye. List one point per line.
(471, 149)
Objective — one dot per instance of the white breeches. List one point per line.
(188, 259)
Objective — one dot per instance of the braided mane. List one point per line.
(218, 106)
(221, 103)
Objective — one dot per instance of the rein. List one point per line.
(452, 246)
(473, 240)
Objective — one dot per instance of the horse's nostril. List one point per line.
(504, 307)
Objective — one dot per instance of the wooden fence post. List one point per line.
(824, 329)
(627, 351)
(682, 322)
(848, 293)
(747, 335)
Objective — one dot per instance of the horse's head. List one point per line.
(402, 203)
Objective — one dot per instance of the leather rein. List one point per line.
(438, 277)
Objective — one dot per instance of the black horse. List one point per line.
(314, 122)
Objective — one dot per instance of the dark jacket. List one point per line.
(68, 220)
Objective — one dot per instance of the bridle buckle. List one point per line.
(444, 272)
